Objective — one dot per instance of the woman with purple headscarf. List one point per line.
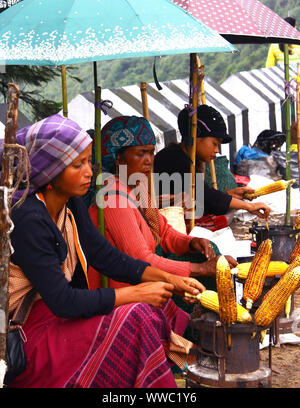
(76, 336)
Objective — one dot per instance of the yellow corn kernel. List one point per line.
(275, 299)
(296, 251)
(268, 189)
(287, 308)
(257, 273)
(210, 300)
(297, 223)
(295, 261)
(226, 293)
(274, 268)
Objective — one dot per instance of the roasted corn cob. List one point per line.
(226, 293)
(297, 223)
(294, 262)
(268, 189)
(274, 268)
(275, 299)
(210, 300)
(296, 251)
(257, 273)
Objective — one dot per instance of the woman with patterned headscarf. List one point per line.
(77, 336)
(132, 222)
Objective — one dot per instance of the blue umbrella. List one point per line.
(48, 32)
(51, 32)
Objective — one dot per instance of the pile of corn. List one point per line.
(224, 301)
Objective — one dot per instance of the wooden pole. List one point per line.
(64, 90)
(95, 71)
(288, 135)
(144, 96)
(202, 100)
(143, 88)
(298, 120)
(194, 103)
(7, 180)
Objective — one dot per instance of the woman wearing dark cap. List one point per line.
(211, 133)
(77, 337)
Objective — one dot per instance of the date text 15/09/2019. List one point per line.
(168, 397)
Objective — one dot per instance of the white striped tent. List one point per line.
(263, 92)
(164, 106)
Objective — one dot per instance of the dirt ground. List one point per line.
(285, 358)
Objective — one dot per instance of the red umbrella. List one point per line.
(242, 21)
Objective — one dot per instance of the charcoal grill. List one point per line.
(227, 356)
(283, 239)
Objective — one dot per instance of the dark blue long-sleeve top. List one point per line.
(40, 249)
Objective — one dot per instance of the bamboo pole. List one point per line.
(143, 88)
(194, 103)
(7, 180)
(288, 135)
(298, 120)
(144, 96)
(64, 90)
(202, 100)
(98, 171)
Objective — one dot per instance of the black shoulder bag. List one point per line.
(15, 356)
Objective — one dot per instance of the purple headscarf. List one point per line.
(52, 144)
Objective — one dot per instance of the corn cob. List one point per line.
(257, 273)
(226, 293)
(297, 223)
(294, 262)
(210, 300)
(275, 299)
(287, 307)
(274, 268)
(296, 251)
(268, 189)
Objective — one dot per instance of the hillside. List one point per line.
(218, 66)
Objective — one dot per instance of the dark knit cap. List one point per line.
(209, 124)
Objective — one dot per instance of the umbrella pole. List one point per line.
(298, 121)
(194, 102)
(95, 75)
(64, 90)
(288, 135)
(98, 170)
(143, 87)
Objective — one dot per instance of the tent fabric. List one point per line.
(263, 92)
(249, 102)
(164, 107)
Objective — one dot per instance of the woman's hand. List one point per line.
(259, 209)
(152, 293)
(184, 284)
(203, 246)
(208, 268)
(239, 192)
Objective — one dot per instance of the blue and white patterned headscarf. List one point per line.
(124, 131)
(52, 144)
